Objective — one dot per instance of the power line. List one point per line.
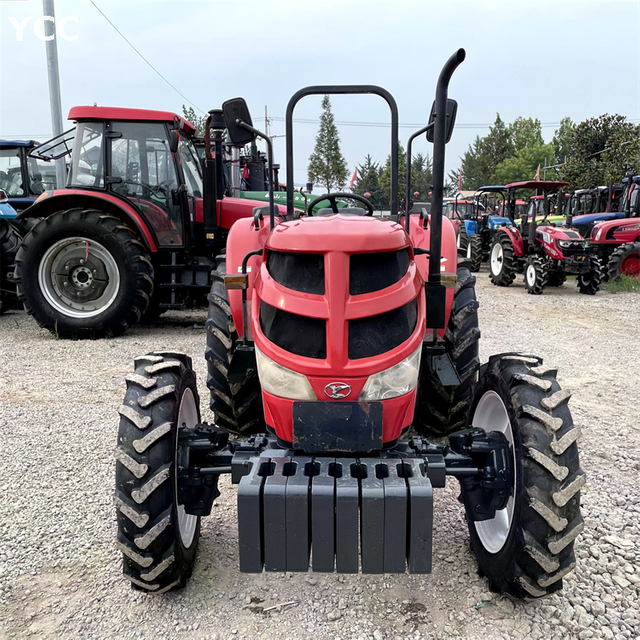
(129, 43)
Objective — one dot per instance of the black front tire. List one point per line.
(502, 260)
(157, 538)
(237, 407)
(589, 283)
(527, 555)
(462, 241)
(441, 410)
(535, 275)
(9, 244)
(474, 252)
(123, 275)
(556, 278)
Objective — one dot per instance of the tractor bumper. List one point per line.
(372, 514)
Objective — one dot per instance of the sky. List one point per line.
(541, 59)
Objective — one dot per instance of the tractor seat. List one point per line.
(354, 211)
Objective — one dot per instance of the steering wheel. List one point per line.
(332, 197)
(154, 190)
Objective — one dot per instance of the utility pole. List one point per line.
(53, 74)
(266, 127)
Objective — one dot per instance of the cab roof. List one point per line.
(18, 143)
(121, 113)
(537, 184)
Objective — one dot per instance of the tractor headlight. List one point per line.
(394, 381)
(598, 234)
(565, 244)
(281, 381)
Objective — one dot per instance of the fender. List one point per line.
(242, 239)
(63, 199)
(421, 238)
(471, 227)
(516, 239)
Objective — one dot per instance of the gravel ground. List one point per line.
(60, 573)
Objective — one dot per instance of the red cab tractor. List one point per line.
(617, 242)
(357, 327)
(546, 254)
(135, 230)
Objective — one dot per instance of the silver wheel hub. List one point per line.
(79, 277)
(187, 418)
(491, 415)
(531, 275)
(497, 257)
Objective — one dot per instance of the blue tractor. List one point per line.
(9, 243)
(480, 228)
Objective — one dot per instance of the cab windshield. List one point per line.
(87, 160)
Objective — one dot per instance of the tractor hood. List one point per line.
(590, 218)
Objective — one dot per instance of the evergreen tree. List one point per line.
(385, 177)
(421, 177)
(327, 165)
(369, 182)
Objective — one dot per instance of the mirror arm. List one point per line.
(408, 180)
(269, 142)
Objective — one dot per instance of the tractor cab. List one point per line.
(24, 178)
(137, 171)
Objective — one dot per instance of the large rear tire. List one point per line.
(84, 274)
(589, 283)
(9, 244)
(238, 407)
(527, 548)
(625, 261)
(441, 410)
(158, 539)
(462, 240)
(474, 252)
(502, 269)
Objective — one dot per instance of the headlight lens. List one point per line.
(565, 243)
(598, 235)
(281, 381)
(393, 382)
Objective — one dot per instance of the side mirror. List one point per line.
(236, 113)
(3, 197)
(452, 110)
(174, 140)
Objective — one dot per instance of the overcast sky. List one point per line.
(540, 59)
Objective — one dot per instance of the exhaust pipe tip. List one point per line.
(461, 55)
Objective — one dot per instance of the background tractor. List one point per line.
(136, 230)
(546, 254)
(617, 241)
(337, 331)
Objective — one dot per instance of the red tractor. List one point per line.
(348, 329)
(136, 230)
(545, 253)
(617, 242)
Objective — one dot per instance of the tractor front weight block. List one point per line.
(341, 512)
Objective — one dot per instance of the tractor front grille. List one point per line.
(370, 272)
(378, 334)
(298, 271)
(297, 334)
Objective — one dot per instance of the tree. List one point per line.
(327, 165)
(525, 132)
(586, 164)
(385, 177)
(197, 121)
(623, 154)
(485, 154)
(524, 164)
(421, 176)
(562, 139)
(369, 182)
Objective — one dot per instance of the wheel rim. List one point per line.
(458, 240)
(630, 265)
(187, 418)
(491, 415)
(469, 249)
(531, 275)
(79, 277)
(497, 257)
